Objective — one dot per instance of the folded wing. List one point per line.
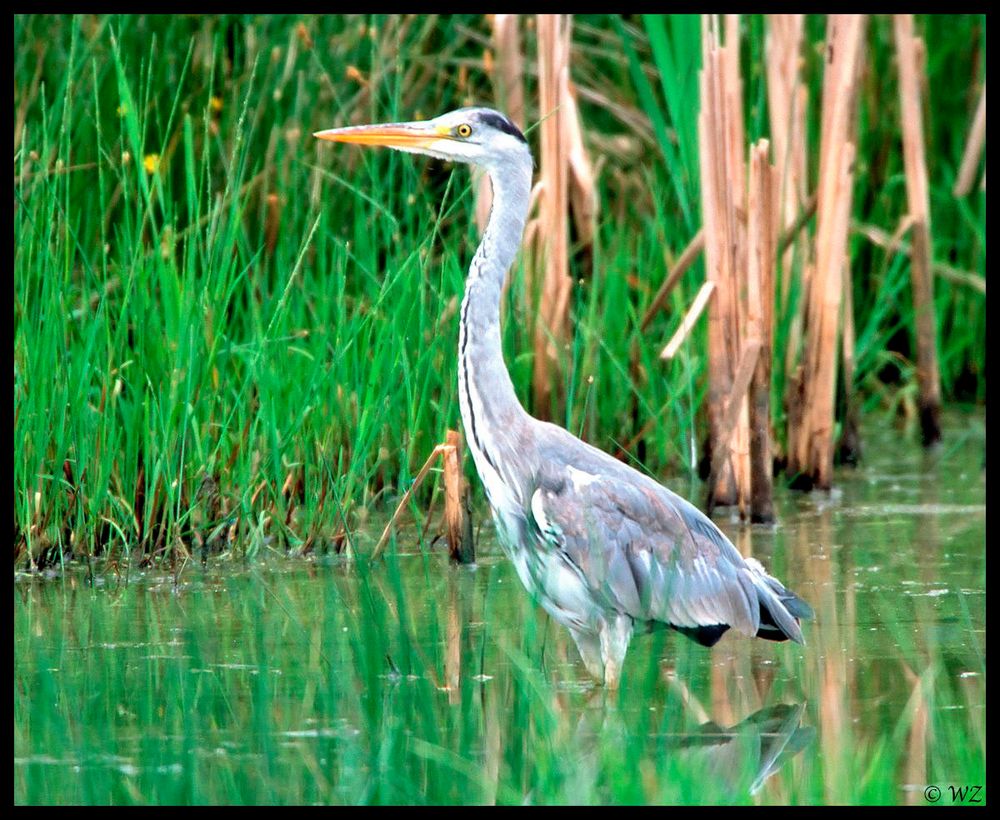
(649, 553)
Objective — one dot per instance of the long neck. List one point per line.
(491, 413)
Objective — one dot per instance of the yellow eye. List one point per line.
(464, 130)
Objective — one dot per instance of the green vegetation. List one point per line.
(227, 335)
(320, 680)
(230, 338)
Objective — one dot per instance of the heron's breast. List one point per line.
(548, 576)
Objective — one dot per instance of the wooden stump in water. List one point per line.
(908, 51)
(456, 501)
(458, 521)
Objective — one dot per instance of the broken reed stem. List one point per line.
(895, 244)
(724, 206)
(456, 501)
(458, 521)
(810, 435)
(849, 446)
(730, 202)
(456, 505)
(689, 320)
(908, 49)
(718, 224)
(697, 244)
(787, 98)
(928, 373)
(735, 407)
(582, 190)
(973, 150)
(762, 235)
(736, 176)
(829, 286)
(405, 500)
(552, 326)
(686, 260)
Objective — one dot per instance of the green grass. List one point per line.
(249, 348)
(244, 344)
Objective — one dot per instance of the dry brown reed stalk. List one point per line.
(458, 522)
(293, 491)
(421, 475)
(811, 389)
(697, 245)
(582, 189)
(272, 222)
(908, 51)
(735, 413)
(973, 150)
(762, 240)
(787, 98)
(894, 243)
(688, 322)
(552, 326)
(741, 348)
(684, 261)
(723, 179)
(733, 90)
(849, 446)
(456, 502)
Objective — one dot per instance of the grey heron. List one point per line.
(605, 549)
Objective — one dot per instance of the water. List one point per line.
(295, 681)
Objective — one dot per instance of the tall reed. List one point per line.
(811, 415)
(908, 49)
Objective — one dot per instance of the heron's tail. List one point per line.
(780, 608)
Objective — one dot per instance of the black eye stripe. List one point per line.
(501, 124)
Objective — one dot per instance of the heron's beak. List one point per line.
(395, 135)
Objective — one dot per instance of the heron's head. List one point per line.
(479, 136)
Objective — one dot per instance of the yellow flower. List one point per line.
(151, 163)
(215, 103)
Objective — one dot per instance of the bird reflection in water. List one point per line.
(729, 763)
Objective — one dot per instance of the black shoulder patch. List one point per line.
(501, 123)
(705, 635)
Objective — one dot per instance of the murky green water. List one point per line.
(414, 681)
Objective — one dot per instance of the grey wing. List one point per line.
(649, 553)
